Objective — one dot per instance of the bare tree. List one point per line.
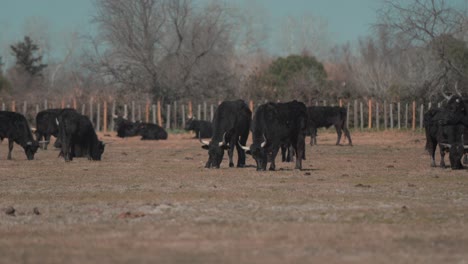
(161, 47)
(425, 24)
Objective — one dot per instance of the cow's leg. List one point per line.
(240, 151)
(274, 152)
(10, 148)
(465, 158)
(339, 133)
(300, 152)
(442, 156)
(348, 135)
(231, 154)
(47, 139)
(66, 148)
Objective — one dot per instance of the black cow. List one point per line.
(15, 127)
(125, 128)
(151, 131)
(446, 127)
(231, 124)
(326, 116)
(275, 124)
(77, 135)
(203, 129)
(46, 125)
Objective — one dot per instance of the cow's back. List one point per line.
(231, 115)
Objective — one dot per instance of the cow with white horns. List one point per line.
(231, 124)
(274, 125)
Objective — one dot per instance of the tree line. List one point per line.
(172, 50)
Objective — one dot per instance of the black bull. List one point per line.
(274, 125)
(326, 116)
(446, 127)
(15, 127)
(231, 123)
(76, 134)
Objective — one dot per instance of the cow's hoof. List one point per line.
(240, 165)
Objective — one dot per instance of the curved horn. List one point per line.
(203, 141)
(445, 96)
(243, 147)
(224, 140)
(56, 121)
(264, 142)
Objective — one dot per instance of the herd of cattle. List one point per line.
(274, 126)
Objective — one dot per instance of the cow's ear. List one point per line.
(205, 147)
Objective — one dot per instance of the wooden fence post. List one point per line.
(414, 116)
(91, 110)
(399, 115)
(369, 125)
(168, 116)
(385, 114)
(377, 121)
(421, 116)
(406, 115)
(391, 115)
(139, 113)
(104, 117)
(190, 112)
(46, 106)
(3, 106)
(340, 103)
(183, 115)
(83, 109)
(199, 112)
(98, 117)
(355, 117)
(74, 103)
(160, 123)
(251, 105)
(133, 111)
(362, 115)
(204, 111)
(112, 116)
(211, 112)
(153, 106)
(175, 126)
(25, 108)
(147, 106)
(125, 112)
(13, 106)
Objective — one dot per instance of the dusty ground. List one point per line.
(153, 202)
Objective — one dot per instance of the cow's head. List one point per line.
(190, 124)
(30, 149)
(215, 152)
(97, 151)
(259, 153)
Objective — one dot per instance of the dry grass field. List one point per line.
(153, 202)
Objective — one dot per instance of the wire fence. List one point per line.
(361, 114)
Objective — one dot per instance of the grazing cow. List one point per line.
(231, 124)
(203, 129)
(275, 124)
(15, 127)
(326, 116)
(151, 131)
(125, 128)
(46, 125)
(445, 127)
(77, 135)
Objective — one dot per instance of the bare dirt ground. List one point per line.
(153, 202)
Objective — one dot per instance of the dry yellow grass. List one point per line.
(153, 202)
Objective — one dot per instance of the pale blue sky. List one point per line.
(347, 19)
